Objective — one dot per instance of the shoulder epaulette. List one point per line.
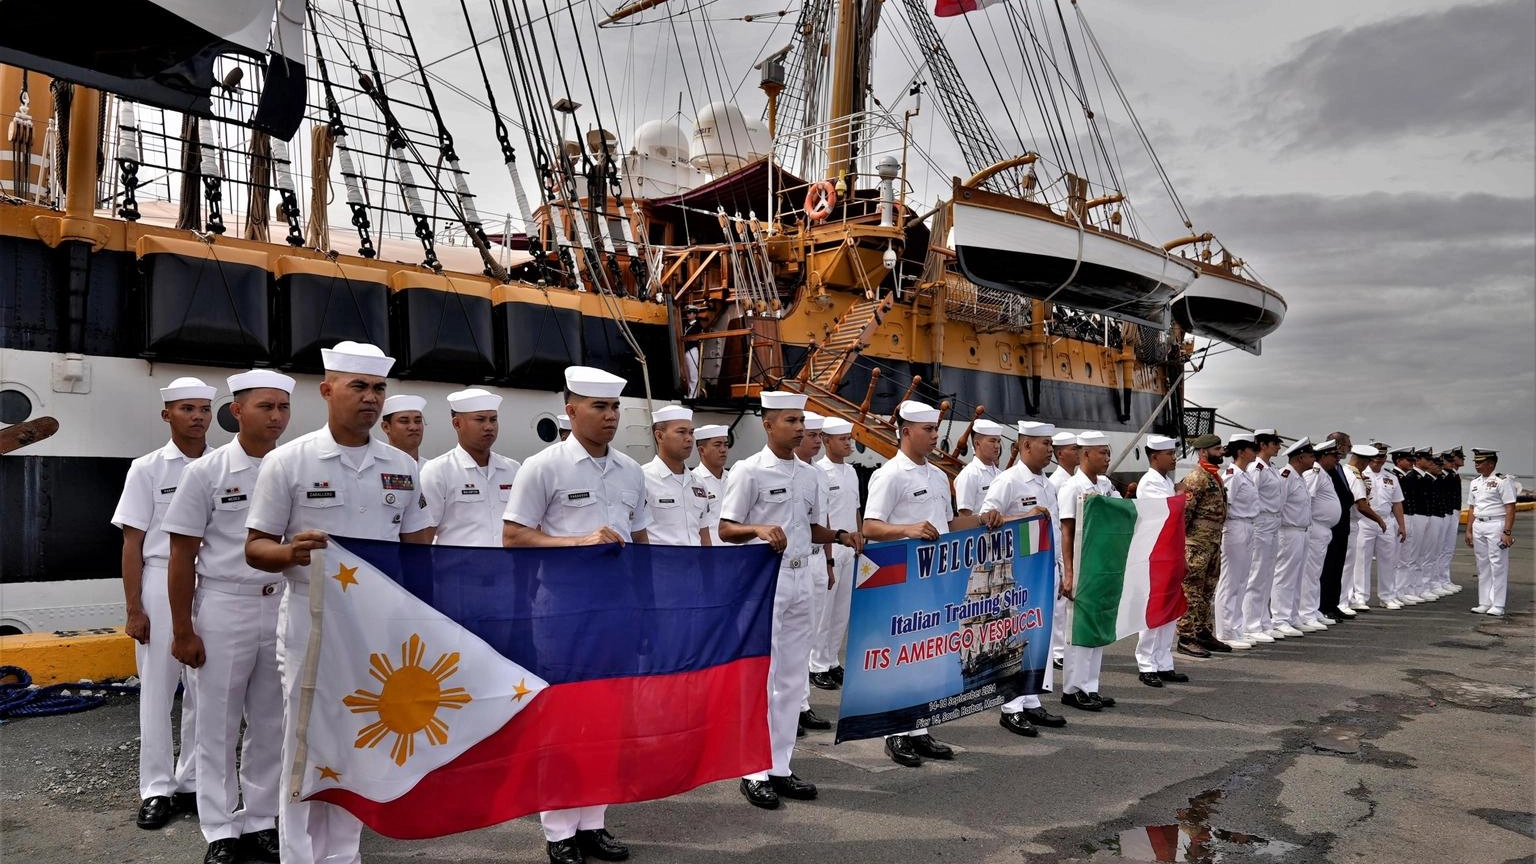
(1285, 472)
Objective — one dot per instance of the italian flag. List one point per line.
(1129, 566)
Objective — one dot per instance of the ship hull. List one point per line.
(1235, 311)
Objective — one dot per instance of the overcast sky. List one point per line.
(1374, 160)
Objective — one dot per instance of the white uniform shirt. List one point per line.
(1242, 493)
(841, 484)
(564, 492)
(1059, 477)
(308, 484)
(147, 490)
(1080, 485)
(211, 502)
(972, 484)
(1326, 506)
(1358, 487)
(1155, 485)
(765, 490)
(714, 487)
(1295, 498)
(466, 501)
(679, 505)
(902, 492)
(1385, 491)
(1488, 495)
(1267, 480)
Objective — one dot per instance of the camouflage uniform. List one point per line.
(1204, 514)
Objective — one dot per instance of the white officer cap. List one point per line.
(836, 426)
(187, 388)
(587, 381)
(668, 413)
(713, 430)
(562, 422)
(1239, 436)
(1093, 439)
(1262, 432)
(1160, 442)
(358, 357)
(1365, 450)
(1032, 429)
(1323, 448)
(473, 399)
(988, 427)
(778, 400)
(1059, 439)
(917, 412)
(404, 402)
(263, 378)
(813, 421)
(1301, 445)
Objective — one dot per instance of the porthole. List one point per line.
(1087, 369)
(15, 406)
(547, 429)
(227, 420)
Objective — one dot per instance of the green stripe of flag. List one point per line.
(1100, 574)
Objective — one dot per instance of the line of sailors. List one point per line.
(217, 544)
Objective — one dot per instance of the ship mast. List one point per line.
(845, 85)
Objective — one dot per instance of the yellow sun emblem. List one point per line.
(407, 703)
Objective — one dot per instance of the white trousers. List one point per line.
(1448, 551)
(1080, 668)
(1419, 529)
(791, 652)
(1376, 545)
(1492, 562)
(1059, 633)
(1347, 596)
(1404, 581)
(1154, 648)
(237, 680)
(1290, 562)
(1261, 576)
(1318, 537)
(161, 772)
(310, 832)
(832, 613)
(1236, 563)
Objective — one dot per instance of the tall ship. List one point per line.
(194, 188)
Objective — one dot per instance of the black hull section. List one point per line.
(1095, 288)
(1067, 404)
(1240, 324)
(58, 517)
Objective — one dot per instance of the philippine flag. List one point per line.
(882, 564)
(451, 688)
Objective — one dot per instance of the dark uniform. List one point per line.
(1203, 519)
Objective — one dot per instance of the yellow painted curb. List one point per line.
(66, 657)
(1520, 507)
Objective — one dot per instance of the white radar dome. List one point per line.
(721, 140)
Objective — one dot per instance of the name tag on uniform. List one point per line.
(919, 493)
(231, 499)
(170, 491)
(320, 493)
(469, 490)
(666, 500)
(399, 482)
(777, 491)
(1027, 502)
(833, 488)
(578, 496)
(985, 488)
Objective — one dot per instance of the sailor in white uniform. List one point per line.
(1326, 510)
(467, 488)
(1291, 552)
(581, 492)
(1080, 671)
(166, 784)
(843, 512)
(1256, 624)
(1019, 492)
(1377, 545)
(404, 422)
(772, 497)
(1154, 647)
(1236, 540)
(1356, 587)
(976, 477)
(340, 480)
(713, 443)
(1490, 530)
(808, 451)
(214, 593)
(1065, 451)
(679, 502)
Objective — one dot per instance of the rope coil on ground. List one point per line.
(18, 698)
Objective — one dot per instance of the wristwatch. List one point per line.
(841, 533)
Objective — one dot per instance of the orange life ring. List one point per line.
(819, 200)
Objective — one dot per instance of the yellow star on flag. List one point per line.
(328, 773)
(866, 567)
(347, 576)
(521, 690)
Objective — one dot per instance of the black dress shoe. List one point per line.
(1018, 724)
(184, 802)
(759, 793)
(598, 843)
(565, 852)
(1056, 664)
(793, 787)
(154, 812)
(1105, 701)
(1041, 717)
(837, 673)
(1211, 643)
(225, 851)
(930, 748)
(1192, 649)
(1151, 679)
(1082, 701)
(261, 845)
(899, 748)
(811, 720)
(1175, 677)
(799, 731)
(824, 681)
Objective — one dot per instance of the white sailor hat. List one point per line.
(1265, 433)
(1365, 450)
(668, 413)
(836, 426)
(187, 388)
(473, 399)
(917, 412)
(1240, 436)
(1061, 439)
(587, 381)
(1093, 439)
(1160, 442)
(563, 421)
(1036, 429)
(988, 427)
(255, 378)
(358, 357)
(404, 402)
(1324, 448)
(813, 421)
(1300, 446)
(778, 400)
(713, 430)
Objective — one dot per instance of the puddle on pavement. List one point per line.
(1193, 840)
